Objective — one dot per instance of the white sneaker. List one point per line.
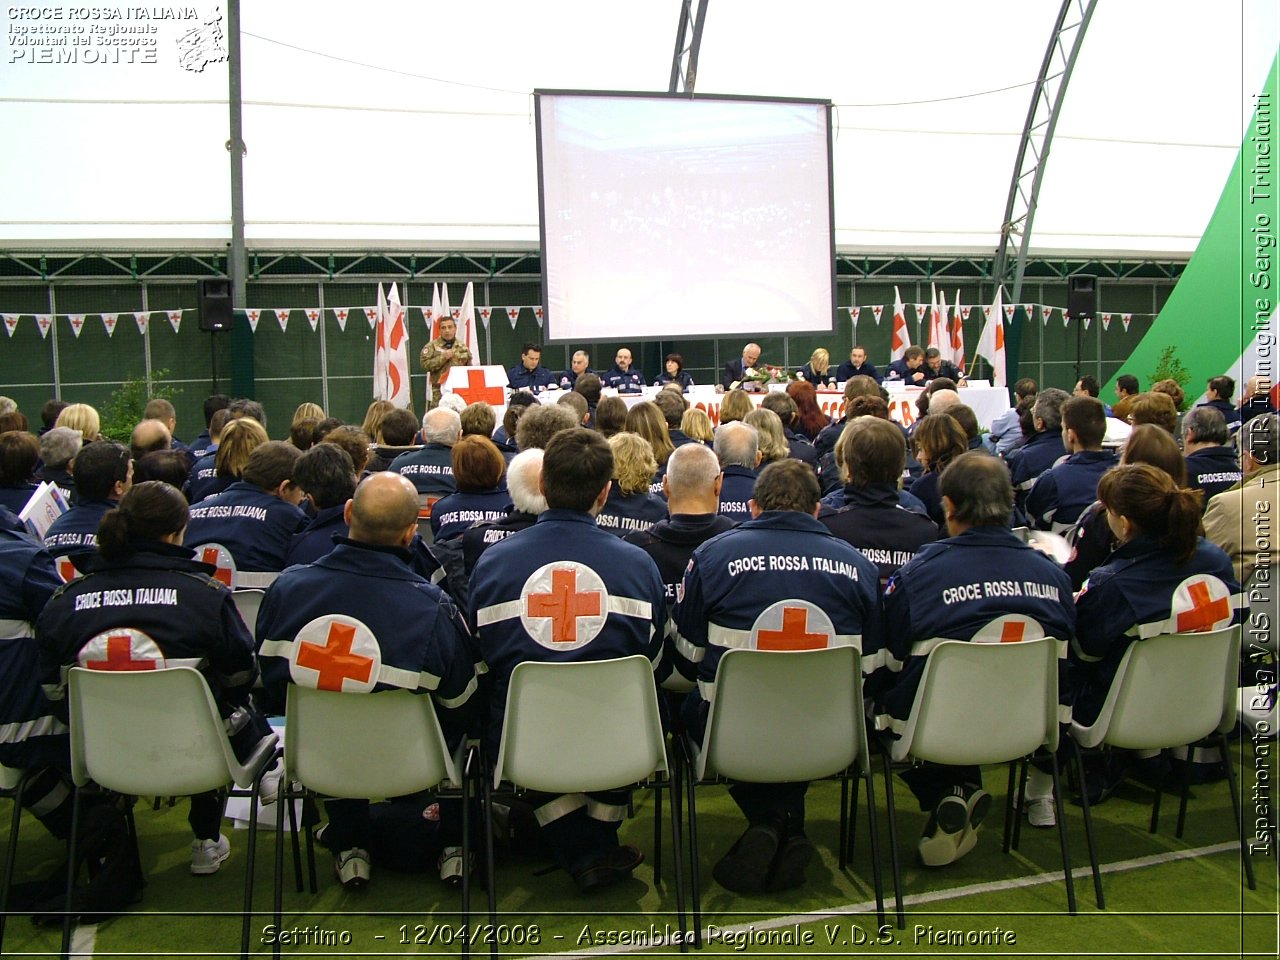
(207, 855)
(1041, 812)
(272, 781)
(352, 868)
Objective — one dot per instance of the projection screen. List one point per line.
(666, 217)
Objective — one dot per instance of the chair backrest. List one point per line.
(149, 732)
(248, 602)
(364, 746)
(1170, 690)
(782, 716)
(984, 703)
(574, 727)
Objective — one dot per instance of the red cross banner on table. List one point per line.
(1010, 628)
(109, 321)
(175, 319)
(473, 384)
(77, 323)
(336, 653)
(142, 318)
(121, 650)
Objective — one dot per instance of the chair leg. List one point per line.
(1009, 810)
(844, 821)
(481, 769)
(71, 874)
(657, 834)
(1235, 808)
(695, 896)
(309, 804)
(1062, 830)
(466, 858)
(246, 922)
(1088, 822)
(674, 784)
(853, 818)
(286, 797)
(1155, 803)
(293, 841)
(11, 856)
(1021, 804)
(894, 859)
(1185, 793)
(873, 831)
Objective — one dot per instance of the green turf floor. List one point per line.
(1165, 897)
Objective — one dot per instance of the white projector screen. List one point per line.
(665, 217)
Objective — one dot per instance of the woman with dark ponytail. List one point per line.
(1163, 577)
(146, 586)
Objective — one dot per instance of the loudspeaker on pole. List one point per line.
(215, 305)
(1082, 296)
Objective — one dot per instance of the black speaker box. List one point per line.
(215, 305)
(1082, 296)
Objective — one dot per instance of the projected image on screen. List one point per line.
(672, 218)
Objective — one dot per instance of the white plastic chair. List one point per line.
(1169, 691)
(156, 732)
(786, 717)
(589, 725)
(248, 602)
(983, 703)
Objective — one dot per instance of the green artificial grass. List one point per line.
(987, 904)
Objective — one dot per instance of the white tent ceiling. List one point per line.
(393, 124)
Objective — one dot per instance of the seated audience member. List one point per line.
(395, 436)
(860, 386)
(161, 409)
(542, 422)
(735, 406)
(243, 407)
(579, 364)
(82, 417)
(213, 473)
(1061, 493)
(149, 435)
(647, 420)
(453, 402)
(674, 372)
(351, 439)
(857, 366)
(622, 376)
(7, 405)
(103, 473)
(14, 420)
(935, 366)
(1177, 395)
(565, 549)
(611, 416)
(327, 478)
(478, 420)
(504, 437)
(58, 448)
(367, 578)
(477, 470)
(373, 417)
(937, 399)
(207, 441)
(839, 599)
(872, 518)
(938, 440)
(302, 434)
(696, 425)
(1221, 393)
(735, 371)
(1088, 386)
(1127, 388)
(1150, 585)
(1255, 399)
(810, 420)
(49, 414)
(1155, 408)
(818, 370)
(1044, 447)
(529, 374)
(590, 386)
(834, 475)
(430, 468)
(944, 592)
(1005, 434)
(1212, 466)
(773, 444)
(672, 405)
(524, 478)
(964, 415)
(256, 517)
(1227, 519)
(179, 612)
(737, 447)
(801, 448)
(19, 457)
(168, 466)
(631, 504)
(1092, 540)
(910, 369)
(578, 404)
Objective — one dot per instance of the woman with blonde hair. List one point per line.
(773, 442)
(239, 439)
(647, 420)
(308, 411)
(735, 406)
(373, 419)
(818, 369)
(82, 417)
(631, 505)
(696, 425)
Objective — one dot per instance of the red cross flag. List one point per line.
(900, 339)
(44, 321)
(121, 650)
(340, 314)
(957, 332)
(793, 625)
(467, 322)
(485, 314)
(537, 315)
(253, 317)
(336, 653)
(371, 314)
(142, 318)
(854, 313)
(1106, 322)
(876, 310)
(313, 318)
(77, 323)
(109, 321)
(1010, 628)
(513, 314)
(10, 322)
(175, 319)
(282, 317)
(991, 342)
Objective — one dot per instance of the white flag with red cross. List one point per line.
(282, 317)
(253, 316)
(44, 321)
(313, 318)
(142, 318)
(340, 314)
(900, 339)
(109, 321)
(10, 322)
(77, 323)
(175, 319)
(991, 342)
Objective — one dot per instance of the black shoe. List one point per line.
(614, 865)
(747, 865)
(788, 866)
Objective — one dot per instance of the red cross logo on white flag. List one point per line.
(336, 653)
(341, 316)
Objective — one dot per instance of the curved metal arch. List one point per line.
(1037, 137)
(684, 64)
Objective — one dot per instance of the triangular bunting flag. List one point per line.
(1046, 313)
(485, 314)
(253, 316)
(854, 312)
(965, 311)
(513, 314)
(1008, 312)
(876, 310)
(1126, 319)
(44, 321)
(340, 314)
(1066, 317)
(175, 319)
(1106, 322)
(282, 317)
(109, 321)
(142, 319)
(537, 315)
(456, 313)
(77, 323)
(920, 309)
(1086, 322)
(10, 322)
(1030, 310)
(371, 314)
(313, 318)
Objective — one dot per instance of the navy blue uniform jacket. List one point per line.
(255, 526)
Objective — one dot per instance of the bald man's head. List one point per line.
(384, 511)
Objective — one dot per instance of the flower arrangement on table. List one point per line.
(754, 378)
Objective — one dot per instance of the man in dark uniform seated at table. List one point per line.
(529, 373)
(857, 366)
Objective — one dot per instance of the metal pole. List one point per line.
(146, 339)
(324, 352)
(53, 323)
(237, 265)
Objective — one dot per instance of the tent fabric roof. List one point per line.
(398, 124)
